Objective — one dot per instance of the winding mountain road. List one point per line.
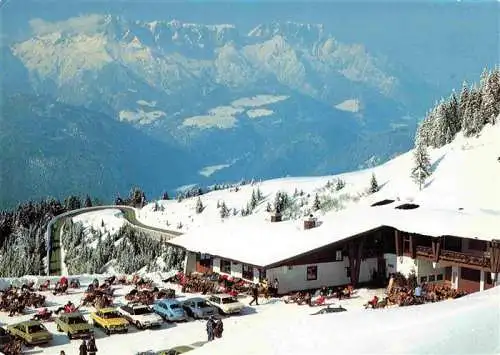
(53, 233)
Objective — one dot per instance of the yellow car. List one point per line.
(30, 332)
(110, 320)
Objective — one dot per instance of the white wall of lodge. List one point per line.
(295, 278)
(236, 270)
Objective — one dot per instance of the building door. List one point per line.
(469, 280)
(204, 263)
(381, 268)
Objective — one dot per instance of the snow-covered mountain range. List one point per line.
(253, 102)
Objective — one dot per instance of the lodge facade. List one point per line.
(465, 264)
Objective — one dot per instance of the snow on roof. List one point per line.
(262, 243)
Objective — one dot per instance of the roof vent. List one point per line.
(275, 217)
(407, 206)
(310, 222)
(382, 203)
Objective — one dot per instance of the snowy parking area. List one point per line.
(170, 334)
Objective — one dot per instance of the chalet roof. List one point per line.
(261, 243)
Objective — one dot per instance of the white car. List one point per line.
(226, 304)
(140, 315)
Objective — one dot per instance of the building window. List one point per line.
(205, 260)
(338, 255)
(406, 243)
(478, 245)
(470, 274)
(439, 277)
(312, 273)
(432, 278)
(423, 279)
(247, 272)
(225, 266)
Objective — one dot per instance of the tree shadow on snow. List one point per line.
(437, 162)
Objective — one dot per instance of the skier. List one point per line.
(255, 293)
(210, 328)
(83, 348)
(91, 347)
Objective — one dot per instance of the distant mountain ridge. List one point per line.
(264, 103)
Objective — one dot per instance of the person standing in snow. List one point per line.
(255, 293)
(83, 348)
(210, 328)
(276, 285)
(219, 328)
(91, 347)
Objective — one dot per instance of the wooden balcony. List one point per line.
(478, 260)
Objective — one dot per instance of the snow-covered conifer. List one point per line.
(199, 206)
(224, 211)
(373, 184)
(422, 166)
(316, 204)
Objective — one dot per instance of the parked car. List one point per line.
(140, 315)
(226, 304)
(74, 325)
(110, 320)
(31, 332)
(4, 338)
(198, 307)
(170, 310)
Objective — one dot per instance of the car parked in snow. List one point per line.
(74, 325)
(170, 309)
(140, 315)
(198, 308)
(110, 320)
(31, 332)
(226, 304)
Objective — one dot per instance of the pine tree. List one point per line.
(452, 118)
(422, 168)
(73, 203)
(224, 211)
(253, 200)
(489, 103)
(473, 119)
(373, 184)
(259, 194)
(88, 202)
(439, 125)
(268, 207)
(165, 196)
(340, 185)
(463, 102)
(199, 206)
(316, 204)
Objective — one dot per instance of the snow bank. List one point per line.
(107, 221)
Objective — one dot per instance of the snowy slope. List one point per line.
(465, 175)
(470, 325)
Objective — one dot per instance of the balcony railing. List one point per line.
(456, 257)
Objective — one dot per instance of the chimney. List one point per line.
(275, 217)
(310, 222)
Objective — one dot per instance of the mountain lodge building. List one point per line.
(354, 246)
